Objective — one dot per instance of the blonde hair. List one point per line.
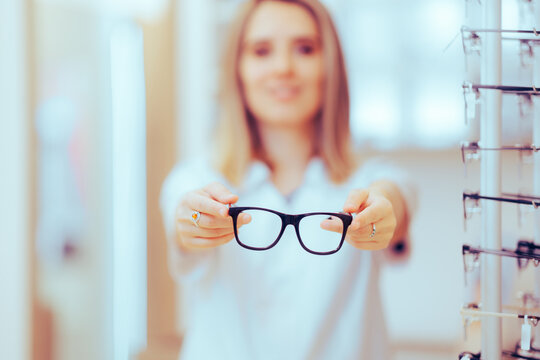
(236, 134)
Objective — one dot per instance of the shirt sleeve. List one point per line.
(183, 266)
(380, 169)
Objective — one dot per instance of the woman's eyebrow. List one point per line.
(256, 41)
(266, 40)
(308, 38)
(309, 41)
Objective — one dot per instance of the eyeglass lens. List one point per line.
(317, 239)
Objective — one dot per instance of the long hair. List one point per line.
(236, 134)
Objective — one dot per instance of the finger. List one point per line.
(332, 224)
(243, 219)
(193, 231)
(361, 232)
(220, 193)
(355, 200)
(204, 243)
(370, 215)
(204, 204)
(383, 229)
(373, 245)
(363, 242)
(208, 221)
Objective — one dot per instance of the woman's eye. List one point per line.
(261, 51)
(305, 49)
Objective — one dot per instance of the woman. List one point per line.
(283, 144)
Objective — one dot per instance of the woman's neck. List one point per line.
(288, 151)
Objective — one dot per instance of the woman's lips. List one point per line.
(284, 93)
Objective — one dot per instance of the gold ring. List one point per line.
(195, 217)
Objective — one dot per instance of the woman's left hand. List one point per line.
(375, 222)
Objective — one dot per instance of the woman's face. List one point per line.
(281, 65)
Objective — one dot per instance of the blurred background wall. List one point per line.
(15, 261)
(98, 100)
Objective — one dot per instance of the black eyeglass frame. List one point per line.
(524, 252)
(518, 90)
(516, 355)
(290, 219)
(472, 356)
(513, 198)
(477, 356)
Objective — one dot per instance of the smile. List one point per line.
(285, 92)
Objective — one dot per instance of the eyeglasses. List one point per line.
(471, 95)
(471, 312)
(474, 205)
(525, 252)
(471, 151)
(532, 90)
(471, 202)
(472, 42)
(267, 227)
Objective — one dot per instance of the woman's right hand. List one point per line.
(215, 226)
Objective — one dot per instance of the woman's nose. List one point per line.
(283, 63)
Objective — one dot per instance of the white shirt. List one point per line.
(283, 303)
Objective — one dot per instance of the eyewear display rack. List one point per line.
(490, 175)
(536, 159)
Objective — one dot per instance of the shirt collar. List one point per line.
(258, 173)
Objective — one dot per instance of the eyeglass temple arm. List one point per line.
(476, 313)
(532, 90)
(467, 249)
(525, 200)
(533, 31)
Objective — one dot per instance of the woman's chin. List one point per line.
(285, 120)
(285, 115)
